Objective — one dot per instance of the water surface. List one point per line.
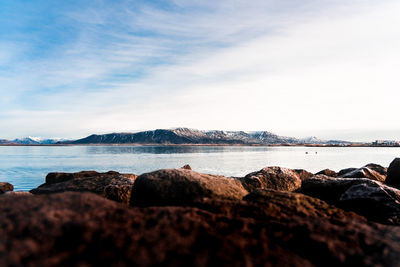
(26, 166)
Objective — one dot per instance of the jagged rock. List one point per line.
(182, 187)
(371, 171)
(369, 198)
(111, 185)
(5, 187)
(276, 178)
(393, 173)
(327, 172)
(344, 171)
(186, 167)
(303, 174)
(269, 229)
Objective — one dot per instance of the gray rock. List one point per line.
(393, 173)
(372, 199)
(370, 171)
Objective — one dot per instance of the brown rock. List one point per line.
(327, 172)
(303, 174)
(270, 229)
(182, 187)
(393, 173)
(5, 187)
(370, 171)
(276, 178)
(111, 185)
(186, 167)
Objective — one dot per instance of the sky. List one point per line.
(298, 68)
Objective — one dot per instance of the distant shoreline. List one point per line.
(172, 145)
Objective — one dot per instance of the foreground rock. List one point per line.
(303, 174)
(375, 201)
(270, 229)
(393, 173)
(5, 187)
(370, 171)
(276, 178)
(183, 187)
(111, 185)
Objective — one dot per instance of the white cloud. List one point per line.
(294, 73)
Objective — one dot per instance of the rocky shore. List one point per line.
(179, 217)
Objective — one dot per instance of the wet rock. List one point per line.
(83, 229)
(393, 173)
(5, 187)
(372, 199)
(327, 172)
(183, 187)
(111, 185)
(303, 174)
(371, 171)
(276, 178)
(186, 167)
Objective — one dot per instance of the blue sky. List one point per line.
(326, 68)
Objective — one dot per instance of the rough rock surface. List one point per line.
(327, 172)
(303, 174)
(393, 173)
(370, 171)
(270, 229)
(111, 185)
(276, 178)
(344, 171)
(5, 187)
(182, 187)
(369, 198)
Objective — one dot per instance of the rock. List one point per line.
(369, 198)
(303, 174)
(182, 187)
(327, 172)
(5, 187)
(344, 171)
(276, 178)
(186, 167)
(393, 173)
(269, 229)
(18, 193)
(111, 185)
(371, 171)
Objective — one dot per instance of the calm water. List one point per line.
(26, 166)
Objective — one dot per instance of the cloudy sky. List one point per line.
(298, 68)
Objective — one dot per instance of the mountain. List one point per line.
(35, 141)
(193, 136)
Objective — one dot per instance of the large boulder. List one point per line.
(369, 198)
(111, 185)
(393, 173)
(370, 171)
(182, 187)
(276, 178)
(327, 172)
(5, 187)
(269, 229)
(303, 174)
(344, 171)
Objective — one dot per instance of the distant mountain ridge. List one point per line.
(193, 136)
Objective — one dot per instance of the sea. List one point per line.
(27, 166)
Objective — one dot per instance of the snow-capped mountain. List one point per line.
(36, 141)
(193, 136)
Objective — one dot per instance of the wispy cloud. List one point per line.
(289, 66)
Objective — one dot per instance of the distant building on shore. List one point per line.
(386, 143)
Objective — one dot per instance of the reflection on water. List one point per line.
(26, 166)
